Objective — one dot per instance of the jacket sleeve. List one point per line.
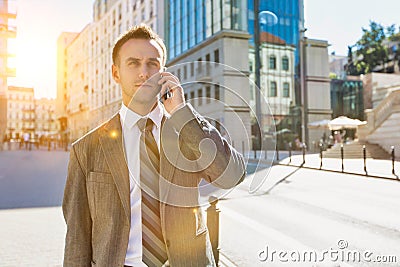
(220, 163)
(78, 250)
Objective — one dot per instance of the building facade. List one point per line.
(347, 97)
(277, 77)
(77, 84)
(7, 30)
(62, 82)
(20, 112)
(207, 44)
(25, 114)
(315, 88)
(45, 117)
(281, 28)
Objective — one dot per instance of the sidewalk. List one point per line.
(32, 237)
(375, 167)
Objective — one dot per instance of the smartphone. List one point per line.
(167, 94)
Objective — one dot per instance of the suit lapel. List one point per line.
(111, 143)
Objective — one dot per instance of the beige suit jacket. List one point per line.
(96, 202)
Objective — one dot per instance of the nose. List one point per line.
(144, 72)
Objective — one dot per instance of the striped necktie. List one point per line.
(154, 251)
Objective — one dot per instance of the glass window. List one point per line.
(200, 21)
(185, 28)
(272, 62)
(208, 94)
(216, 13)
(286, 90)
(216, 55)
(192, 24)
(227, 14)
(200, 96)
(216, 93)
(272, 89)
(285, 63)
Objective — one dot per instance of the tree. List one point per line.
(370, 50)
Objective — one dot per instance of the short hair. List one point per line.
(141, 31)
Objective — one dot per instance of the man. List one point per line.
(123, 209)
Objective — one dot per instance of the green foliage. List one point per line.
(370, 50)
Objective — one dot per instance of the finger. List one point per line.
(168, 76)
(170, 86)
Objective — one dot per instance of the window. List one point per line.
(185, 72)
(286, 90)
(192, 97)
(216, 55)
(208, 94)
(208, 57)
(272, 62)
(192, 68)
(216, 93)
(285, 63)
(272, 89)
(199, 96)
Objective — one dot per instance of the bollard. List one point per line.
(342, 156)
(365, 160)
(290, 153)
(392, 148)
(277, 152)
(320, 155)
(213, 226)
(304, 146)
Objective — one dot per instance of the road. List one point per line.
(296, 211)
(303, 210)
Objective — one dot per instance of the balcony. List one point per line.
(5, 54)
(8, 31)
(7, 15)
(9, 72)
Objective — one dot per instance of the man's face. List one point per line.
(138, 71)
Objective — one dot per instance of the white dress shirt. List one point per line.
(131, 143)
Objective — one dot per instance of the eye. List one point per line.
(153, 64)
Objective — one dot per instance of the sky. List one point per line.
(40, 22)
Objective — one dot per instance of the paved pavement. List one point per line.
(290, 206)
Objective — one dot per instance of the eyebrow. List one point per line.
(138, 59)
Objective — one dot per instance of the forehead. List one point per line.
(140, 48)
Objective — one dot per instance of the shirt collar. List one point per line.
(129, 118)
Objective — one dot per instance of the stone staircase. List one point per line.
(383, 123)
(354, 150)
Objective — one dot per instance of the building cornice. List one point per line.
(208, 41)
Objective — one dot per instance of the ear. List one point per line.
(115, 73)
